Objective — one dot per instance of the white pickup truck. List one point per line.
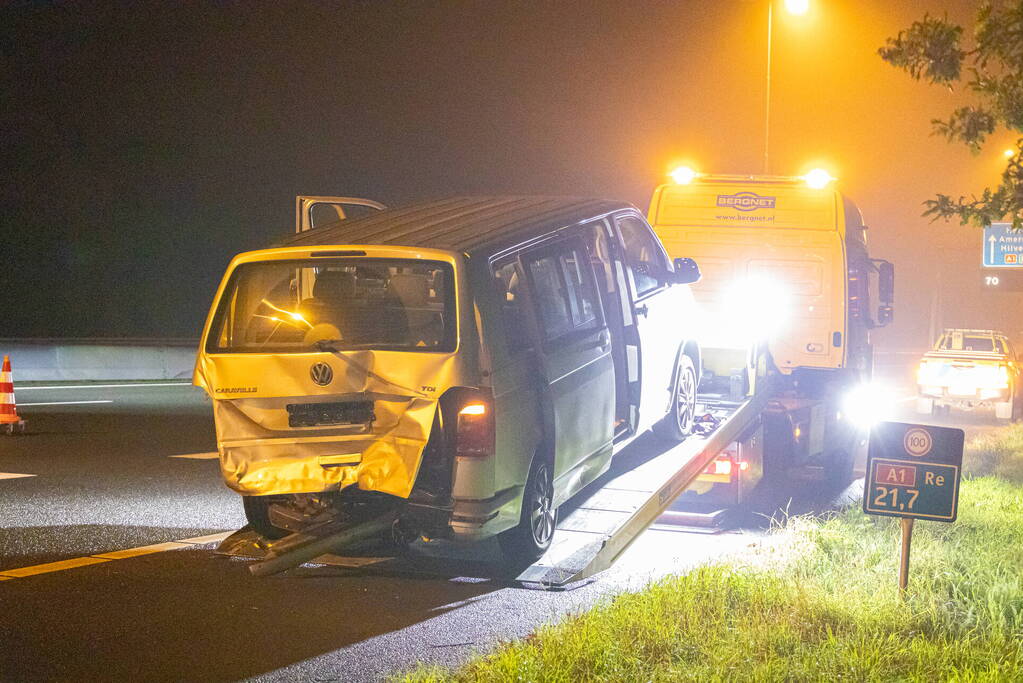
(971, 370)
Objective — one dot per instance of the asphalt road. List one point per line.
(105, 480)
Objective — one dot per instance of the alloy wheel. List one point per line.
(541, 517)
(685, 398)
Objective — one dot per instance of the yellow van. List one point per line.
(473, 362)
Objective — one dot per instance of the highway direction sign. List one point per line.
(913, 471)
(1003, 246)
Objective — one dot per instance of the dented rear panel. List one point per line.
(325, 365)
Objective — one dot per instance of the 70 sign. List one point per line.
(1002, 280)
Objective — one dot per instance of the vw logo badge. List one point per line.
(322, 374)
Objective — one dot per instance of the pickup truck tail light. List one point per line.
(474, 432)
(927, 372)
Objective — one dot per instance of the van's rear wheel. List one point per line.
(257, 512)
(528, 541)
(678, 423)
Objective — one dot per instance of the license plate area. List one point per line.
(330, 414)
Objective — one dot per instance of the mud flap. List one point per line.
(925, 406)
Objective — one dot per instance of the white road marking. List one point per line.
(198, 456)
(62, 403)
(143, 550)
(13, 475)
(108, 386)
(99, 558)
(202, 540)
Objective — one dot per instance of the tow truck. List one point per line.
(971, 370)
(786, 265)
(774, 399)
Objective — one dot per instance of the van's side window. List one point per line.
(564, 291)
(510, 284)
(643, 253)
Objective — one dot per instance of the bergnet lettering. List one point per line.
(746, 201)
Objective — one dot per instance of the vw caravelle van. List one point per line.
(476, 361)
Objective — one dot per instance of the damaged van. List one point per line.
(470, 362)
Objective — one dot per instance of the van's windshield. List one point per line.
(340, 304)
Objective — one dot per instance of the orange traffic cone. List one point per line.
(9, 420)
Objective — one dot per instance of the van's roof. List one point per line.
(461, 224)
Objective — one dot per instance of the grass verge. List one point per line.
(818, 602)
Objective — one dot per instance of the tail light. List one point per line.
(724, 465)
(720, 466)
(474, 432)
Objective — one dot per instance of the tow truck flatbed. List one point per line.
(617, 508)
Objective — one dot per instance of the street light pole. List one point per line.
(767, 94)
(795, 7)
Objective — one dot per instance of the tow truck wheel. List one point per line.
(840, 468)
(528, 541)
(257, 512)
(678, 423)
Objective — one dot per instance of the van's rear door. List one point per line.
(316, 212)
(576, 363)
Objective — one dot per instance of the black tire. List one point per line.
(530, 539)
(932, 412)
(678, 423)
(840, 468)
(257, 512)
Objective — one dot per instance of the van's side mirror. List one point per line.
(885, 315)
(885, 283)
(686, 271)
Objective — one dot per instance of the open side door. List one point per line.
(316, 212)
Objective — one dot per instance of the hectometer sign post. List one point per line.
(913, 472)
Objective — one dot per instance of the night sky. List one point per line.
(146, 144)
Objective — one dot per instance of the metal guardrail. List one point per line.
(41, 359)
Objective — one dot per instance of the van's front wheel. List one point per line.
(678, 423)
(532, 537)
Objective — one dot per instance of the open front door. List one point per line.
(316, 212)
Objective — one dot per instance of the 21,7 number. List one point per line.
(884, 494)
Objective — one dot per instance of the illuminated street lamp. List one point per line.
(795, 7)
